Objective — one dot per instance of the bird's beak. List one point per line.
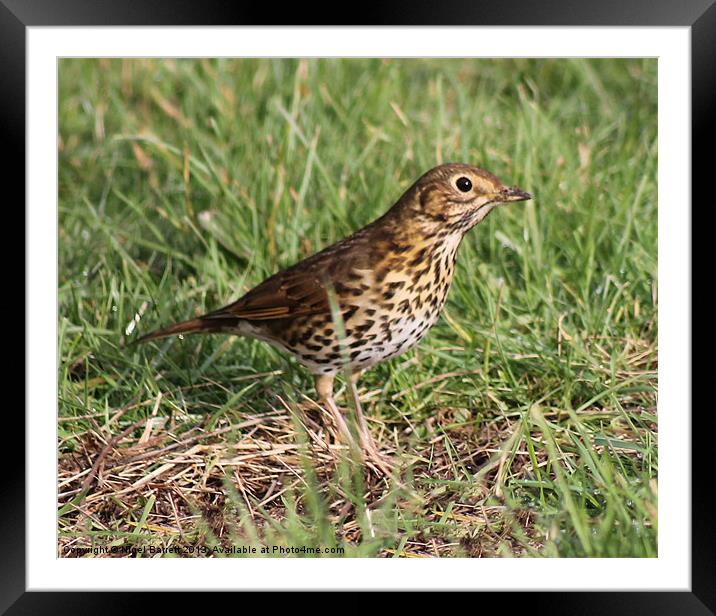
(512, 193)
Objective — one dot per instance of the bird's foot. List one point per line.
(368, 451)
(380, 463)
(377, 460)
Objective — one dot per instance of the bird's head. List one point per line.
(457, 196)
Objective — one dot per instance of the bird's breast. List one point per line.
(386, 310)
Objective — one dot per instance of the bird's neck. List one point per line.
(410, 252)
(427, 236)
(398, 242)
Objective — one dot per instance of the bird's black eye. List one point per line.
(464, 184)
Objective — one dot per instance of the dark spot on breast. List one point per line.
(341, 288)
(364, 327)
(349, 313)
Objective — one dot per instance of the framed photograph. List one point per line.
(400, 305)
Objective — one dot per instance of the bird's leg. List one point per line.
(365, 435)
(366, 439)
(324, 388)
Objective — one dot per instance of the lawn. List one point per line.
(525, 421)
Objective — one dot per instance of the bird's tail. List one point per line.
(185, 327)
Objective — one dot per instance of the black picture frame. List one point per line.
(699, 15)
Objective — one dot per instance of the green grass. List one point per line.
(183, 183)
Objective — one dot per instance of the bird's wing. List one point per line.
(289, 293)
(301, 289)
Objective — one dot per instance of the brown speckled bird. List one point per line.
(390, 280)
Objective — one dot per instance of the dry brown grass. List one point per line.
(183, 469)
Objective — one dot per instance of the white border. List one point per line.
(671, 570)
